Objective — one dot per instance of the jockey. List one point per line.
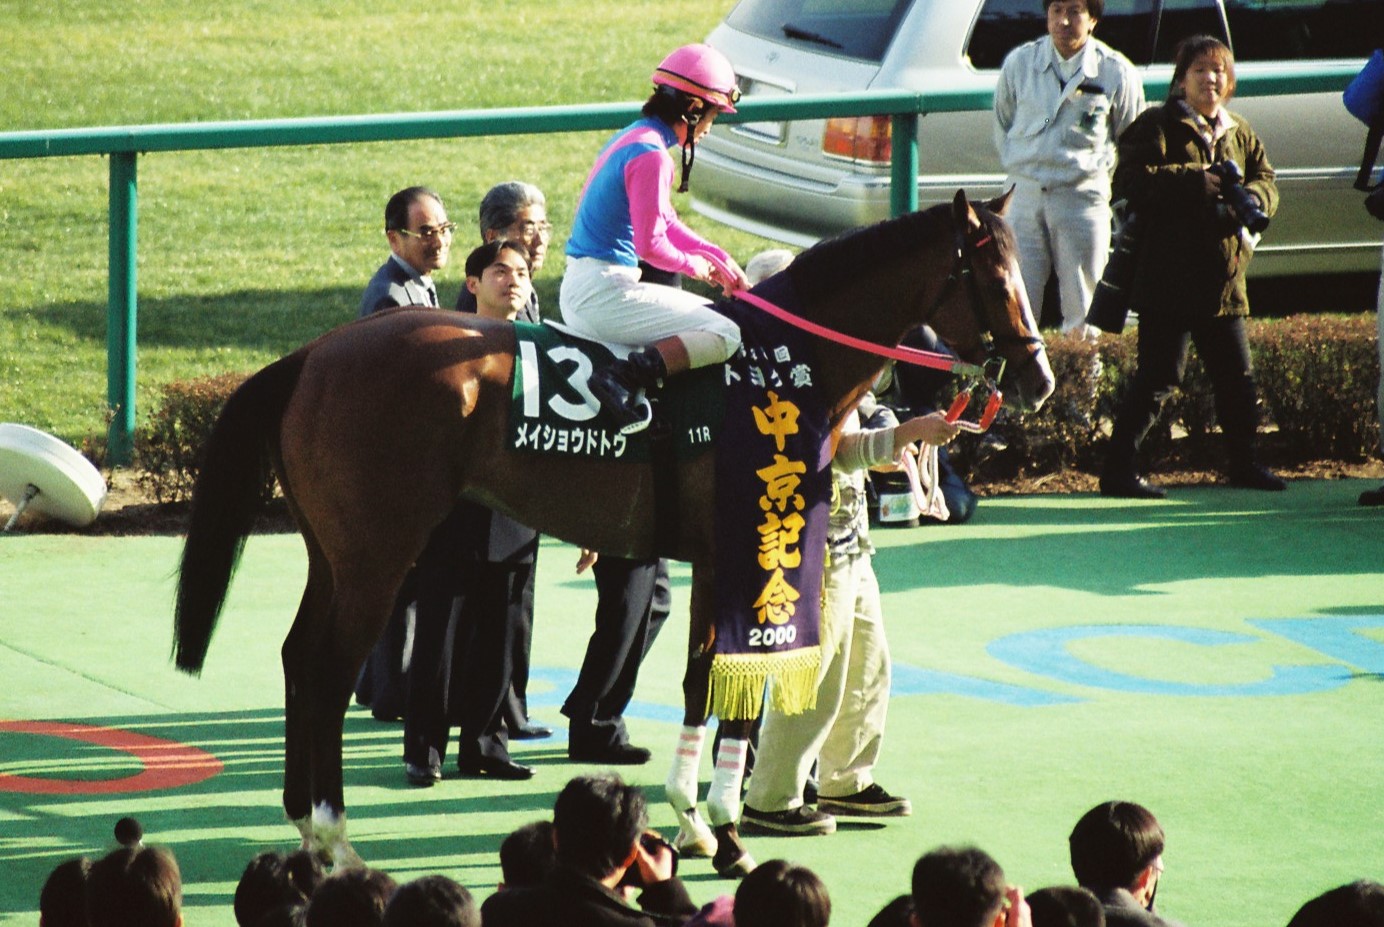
(625, 216)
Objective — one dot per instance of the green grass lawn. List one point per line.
(1216, 657)
(244, 254)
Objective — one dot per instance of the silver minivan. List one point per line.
(799, 181)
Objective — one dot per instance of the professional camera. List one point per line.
(1110, 301)
(1242, 204)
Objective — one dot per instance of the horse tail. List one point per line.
(229, 493)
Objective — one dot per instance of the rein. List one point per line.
(974, 374)
(899, 353)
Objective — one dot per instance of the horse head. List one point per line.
(1000, 321)
(953, 267)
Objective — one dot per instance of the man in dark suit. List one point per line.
(633, 601)
(599, 828)
(517, 211)
(420, 241)
(471, 582)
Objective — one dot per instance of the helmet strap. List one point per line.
(689, 155)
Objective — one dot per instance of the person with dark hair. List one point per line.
(780, 894)
(135, 886)
(897, 913)
(1357, 904)
(432, 901)
(517, 211)
(1174, 170)
(420, 239)
(471, 584)
(625, 216)
(964, 887)
(1065, 906)
(1061, 102)
(599, 830)
(776, 894)
(354, 897)
(62, 901)
(420, 242)
(1117, 852)
(527, 855)
(272, 879)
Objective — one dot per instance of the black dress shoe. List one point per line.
(530, 730)
(489, 767)
(609, 755)
(1253, 476)
(428, 775)
(1129, 486)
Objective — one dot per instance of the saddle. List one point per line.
(552, 411)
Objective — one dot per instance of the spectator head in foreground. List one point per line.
(62, 902)
(350, 898)
(527, 855)
(780, 894)
(1065, 906)
(597, 821)
(272, 879)
(1358, 904)
(963, 887)
(1118, 845)
(135, 886)
(432, 901)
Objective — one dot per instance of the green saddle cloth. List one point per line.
(553, 412)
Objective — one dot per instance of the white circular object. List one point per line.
(69, 487)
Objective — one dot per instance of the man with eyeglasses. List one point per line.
(420, 239)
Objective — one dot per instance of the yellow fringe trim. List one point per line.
(736, 691)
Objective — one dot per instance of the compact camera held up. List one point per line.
(1241, 203)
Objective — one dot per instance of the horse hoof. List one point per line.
(732, 860)
(695, 845)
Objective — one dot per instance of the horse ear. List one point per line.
(963, 214)
(1000, 203)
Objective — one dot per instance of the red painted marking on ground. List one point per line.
(167, 763)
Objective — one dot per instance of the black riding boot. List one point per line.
(620, 387)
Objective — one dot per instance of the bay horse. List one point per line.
(375, 429)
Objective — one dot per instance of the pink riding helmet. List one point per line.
(701, 71)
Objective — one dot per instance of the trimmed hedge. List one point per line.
(1317, 378)
(168, 450)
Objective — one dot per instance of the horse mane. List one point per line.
(830, 265)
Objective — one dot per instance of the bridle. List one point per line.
(984, 376)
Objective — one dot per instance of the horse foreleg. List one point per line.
(695, 838)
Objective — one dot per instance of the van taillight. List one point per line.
(860, 138)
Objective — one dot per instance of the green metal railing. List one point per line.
(124, 144)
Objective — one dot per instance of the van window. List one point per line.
(1291, 30)
(1183, 18)
(1126, 25)
(851, 28)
